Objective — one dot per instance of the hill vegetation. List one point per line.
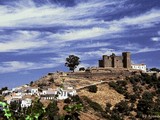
(136, 97)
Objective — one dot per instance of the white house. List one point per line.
(58, 93)
(61, 94)
(6, 92)
(64, 94)
(8, 98)
(139, 67)
(17, 95)
(16, 89)
(48, 97)
(72, 92)
(26, 102)
(34, 90)
(49, 91)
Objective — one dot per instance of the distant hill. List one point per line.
(120, 94)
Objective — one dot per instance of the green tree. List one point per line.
(122, 107)
(3, 89)
(72, 62)
(15, 107)
(155, 69)
(52, 111)
(73, 111)
(145, 105)
(36, 111)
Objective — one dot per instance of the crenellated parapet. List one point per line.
(114, 61)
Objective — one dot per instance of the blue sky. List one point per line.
(37, 35)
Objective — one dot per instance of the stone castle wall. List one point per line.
(114, 61)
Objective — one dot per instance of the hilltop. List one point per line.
(104, 93)
(114, 87)
(81, 80)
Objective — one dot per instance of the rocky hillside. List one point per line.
(113, 90)
(83, 78)
(101, 95)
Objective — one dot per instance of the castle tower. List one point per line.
(126, 60)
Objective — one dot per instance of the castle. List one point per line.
(114, 61)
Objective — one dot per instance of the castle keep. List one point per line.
(114, 61)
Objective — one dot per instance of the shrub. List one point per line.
(122, 83)
(145, 106)
(147, 96)
(133, 98)
(3, 89)
(76, 99)
(158, 91)
(122, 107)
(92, 88)
(73, 111)
(82, 69)
(137, 88)
(51, 80)
(31, 83)
(115, 116)
(67, 101)
(112, 84)
(155, 69)
(41, 85)
(52, 110)
(132, 80)
(120, 89)
(97, 107)
(126, 95)
(50, 73)
(108, 107)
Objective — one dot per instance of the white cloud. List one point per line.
(59, 59)
(17, 66)
(15, 45)
(129, 46)
(27, 14)
(92, 45)
(147, 49)
(145, 20)
(21, 40)
(82, 65)
(92, 55)
(83, 34)
(155, 39)
(22, 16)
(14, 66)
(84, 26)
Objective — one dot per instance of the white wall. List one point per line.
(139, 67)
(26, 103)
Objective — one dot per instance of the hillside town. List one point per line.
(25, 94)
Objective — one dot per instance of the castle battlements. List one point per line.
(114, 61)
